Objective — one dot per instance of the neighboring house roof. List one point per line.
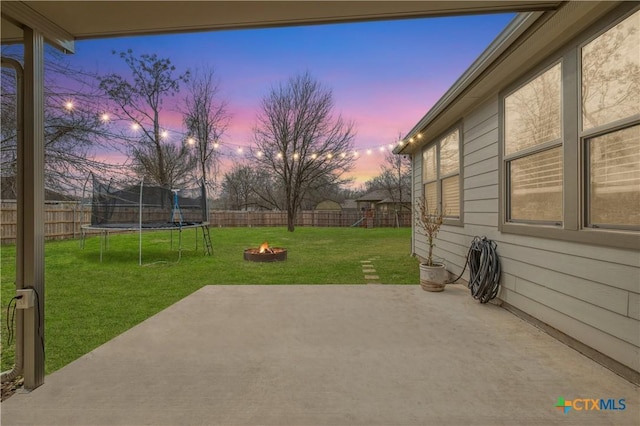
(375, 195)
(381, 196)
(405, 199)
(328, 205)
(527, 39)
(349, 204)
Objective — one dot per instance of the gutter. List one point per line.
(17, 368)
(502, 42)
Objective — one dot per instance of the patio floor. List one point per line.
(326, 355)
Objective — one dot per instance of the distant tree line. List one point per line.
(299, 140)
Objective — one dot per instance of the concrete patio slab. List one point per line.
(327, 355)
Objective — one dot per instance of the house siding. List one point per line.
(590, 293)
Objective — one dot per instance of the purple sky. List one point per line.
(384, 75)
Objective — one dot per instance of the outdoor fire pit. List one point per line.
(264, 253)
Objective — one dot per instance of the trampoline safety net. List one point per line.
(157, 208)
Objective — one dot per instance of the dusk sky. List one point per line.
(384, 75)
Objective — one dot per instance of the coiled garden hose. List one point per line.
(484, 269)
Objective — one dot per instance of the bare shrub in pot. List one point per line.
(429, 221)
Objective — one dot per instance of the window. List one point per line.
(532, 149)
(610, 97)
(441, 175)
(571, 141)
(613, 173)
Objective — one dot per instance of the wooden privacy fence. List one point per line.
(337, 218)
(63, 220)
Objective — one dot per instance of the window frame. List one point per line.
(436, 143)
(574, 149)
(531, 150)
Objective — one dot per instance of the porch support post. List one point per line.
(30, 242)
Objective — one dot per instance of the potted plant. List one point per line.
(432, 274)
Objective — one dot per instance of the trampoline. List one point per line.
(143, 208)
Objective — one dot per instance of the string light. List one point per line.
(233, 150)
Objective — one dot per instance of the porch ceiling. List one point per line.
(97, 19)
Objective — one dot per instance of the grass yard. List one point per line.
(89, 303)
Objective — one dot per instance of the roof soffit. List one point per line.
(99, 19)
(549, 33)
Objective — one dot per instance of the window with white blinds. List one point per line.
(614, 179)
(570, 139)
(441, 174)
(532, 149)
(610, 93)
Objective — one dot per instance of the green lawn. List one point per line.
(89, 303)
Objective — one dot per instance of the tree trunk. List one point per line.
(291, 216)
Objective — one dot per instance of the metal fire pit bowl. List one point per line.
(254, 255)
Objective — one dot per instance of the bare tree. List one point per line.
(178, 164)
(73, 123)
(300, 141)
(394, 178)
(139, 100)
(245, 186)
(206, 118)
(238, 186)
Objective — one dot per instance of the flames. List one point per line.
(264, 247)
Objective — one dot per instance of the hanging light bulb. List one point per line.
(104, 117)
(191, 141)
(68, 105)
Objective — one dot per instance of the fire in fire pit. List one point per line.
(265, 253)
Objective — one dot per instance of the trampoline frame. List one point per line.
(141, 227)
(124, 227)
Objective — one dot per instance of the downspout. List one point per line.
(16, 370)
